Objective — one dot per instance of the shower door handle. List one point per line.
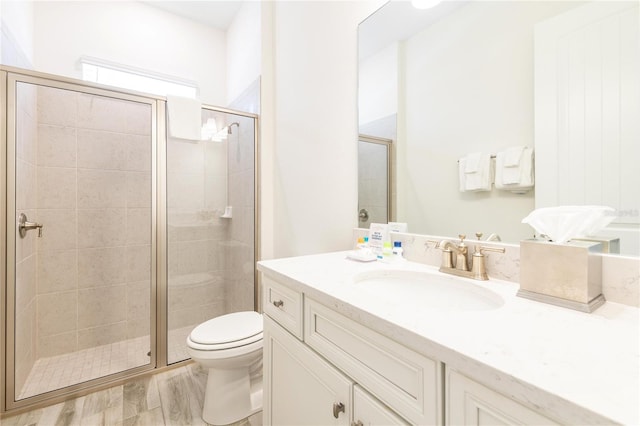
(24, 225)
(363, 214)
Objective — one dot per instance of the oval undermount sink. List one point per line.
(427, 290)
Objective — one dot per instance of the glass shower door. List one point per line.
(84, 245)
(211, 225)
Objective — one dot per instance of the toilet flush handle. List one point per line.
(278, 303)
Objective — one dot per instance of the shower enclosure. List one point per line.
(119, 238)
(374, 180)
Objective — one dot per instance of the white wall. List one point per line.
(130, 33)
(243, 50)
(474, 95)
(310, 150)
(378, 85)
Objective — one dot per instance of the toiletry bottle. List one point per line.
(387, 252)
(397, 251)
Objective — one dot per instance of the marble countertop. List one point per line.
(571, 366)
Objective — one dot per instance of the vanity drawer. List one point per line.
(408, 382)
(284, 305)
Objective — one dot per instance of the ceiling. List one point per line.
(398, 20)
(217, 14)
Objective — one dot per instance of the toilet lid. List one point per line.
(228, 328)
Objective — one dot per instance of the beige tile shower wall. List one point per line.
(94, 198)
(26, 255)
(239, 250)
(196, 185)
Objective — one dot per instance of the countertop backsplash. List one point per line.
(620, 274)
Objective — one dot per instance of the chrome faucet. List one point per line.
(461, 266)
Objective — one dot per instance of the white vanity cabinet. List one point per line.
(406, 381)
(330, 376)
(471, 403)
(387, 361)
(368, 411)
(304, 389)
(300, 387)
(283, 305)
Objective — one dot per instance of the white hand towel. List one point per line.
(511, 160)
(185, 118)
(512, 156)
(472, 162)
(477, 181)
(525, 178)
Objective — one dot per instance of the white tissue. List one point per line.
(563, 223)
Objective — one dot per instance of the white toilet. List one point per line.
(230, 347)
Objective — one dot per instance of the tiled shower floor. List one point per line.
(60, 371)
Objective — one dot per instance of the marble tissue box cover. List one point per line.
(620, 274)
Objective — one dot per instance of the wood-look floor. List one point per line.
(174, 397)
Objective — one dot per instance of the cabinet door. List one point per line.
(300, 387)
(405, 380)
(368, 411)
(470, 403)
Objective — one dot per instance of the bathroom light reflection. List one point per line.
(425, 4)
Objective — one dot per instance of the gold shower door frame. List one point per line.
(10, 77)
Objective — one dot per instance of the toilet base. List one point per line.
(231, 396)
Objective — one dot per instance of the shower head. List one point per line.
(231, 125)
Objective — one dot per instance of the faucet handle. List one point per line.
(435, 243)
(478, 235)
(462, 237)
(496, 249)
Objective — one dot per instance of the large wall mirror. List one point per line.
(561, 77)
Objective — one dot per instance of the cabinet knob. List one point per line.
(338, 407)
(278, 303)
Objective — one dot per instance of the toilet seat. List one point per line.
(226, 346)
(227, 331)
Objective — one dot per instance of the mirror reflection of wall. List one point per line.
(462, 84)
